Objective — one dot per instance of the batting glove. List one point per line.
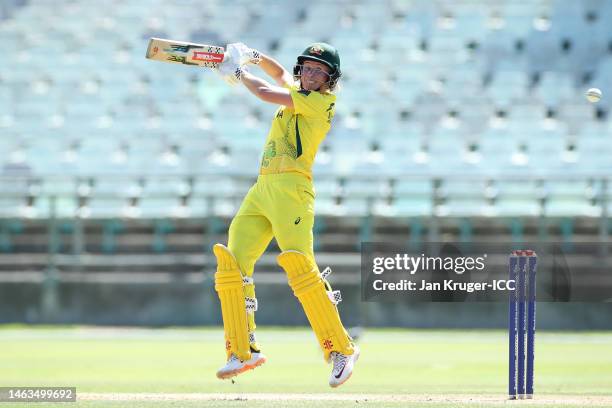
(243, 54)
(231, 72)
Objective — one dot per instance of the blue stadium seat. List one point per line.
(355, 207)
(224, 207)
(555, 88)
(327, 206)
(365, 188)
(466, 207)
(464, 198)
(163, 187)
(508, 86)
(566, 198)
(12, 207)
(406, 207)
(66, 206)
(153, 206)
(421, 14)
(105, 208)
(103, 109)
(516, 198)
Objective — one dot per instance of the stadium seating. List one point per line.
(433, 91)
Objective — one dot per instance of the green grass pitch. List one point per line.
(116, 367)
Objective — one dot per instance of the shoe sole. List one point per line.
(245, 368)
(349, 376)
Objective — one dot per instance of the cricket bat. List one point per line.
(179, 52)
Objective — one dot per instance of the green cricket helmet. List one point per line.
(323, 53)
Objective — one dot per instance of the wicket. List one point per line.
(521, 325)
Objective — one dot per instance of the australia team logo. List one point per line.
(316, 50)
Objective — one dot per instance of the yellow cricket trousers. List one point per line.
(282, 206)
(277, 205)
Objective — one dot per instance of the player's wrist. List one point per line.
(241, 73)
(255, 57)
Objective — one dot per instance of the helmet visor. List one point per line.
(315, 72)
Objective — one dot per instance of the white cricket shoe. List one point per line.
(343, 367)
(234, 366)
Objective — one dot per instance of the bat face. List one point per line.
(178, 52)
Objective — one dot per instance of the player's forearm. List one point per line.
(265, 91)
(271, 67)
(254, 84)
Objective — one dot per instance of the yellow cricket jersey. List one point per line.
(296, 132)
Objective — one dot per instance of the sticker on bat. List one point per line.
(182, 60)
(182, 48)
(207, 56)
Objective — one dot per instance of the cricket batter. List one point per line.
(281, 205)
